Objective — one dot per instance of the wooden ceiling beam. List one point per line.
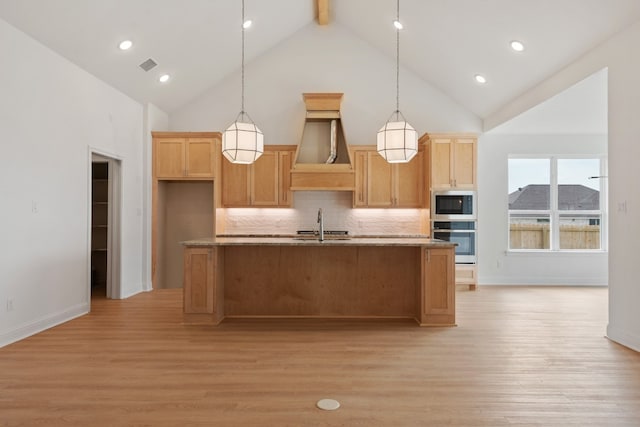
(323, 11)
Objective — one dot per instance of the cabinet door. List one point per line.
(409, 185)
(199, 157)
(198, 289)
(169, 158)
(379, 181)
(464, 163)
(235, 184)
(441, 172)
(264, 180)
(285, 162)
(438, 287)
(360, 168)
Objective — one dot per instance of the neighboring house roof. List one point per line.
(570, 197)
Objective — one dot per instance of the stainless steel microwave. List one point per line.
(453, 205)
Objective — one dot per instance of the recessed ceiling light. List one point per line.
(125, 45)
(517, 46)
(246, 24)
(164, 78)
(480, 78)
(398, 25)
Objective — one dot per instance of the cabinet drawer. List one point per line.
(466, 274)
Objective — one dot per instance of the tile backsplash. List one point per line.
(338, 215)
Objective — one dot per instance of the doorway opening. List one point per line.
(104, 258)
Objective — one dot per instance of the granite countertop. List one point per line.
(271, 240)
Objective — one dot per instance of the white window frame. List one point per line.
(555, 214)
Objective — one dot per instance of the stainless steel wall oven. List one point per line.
(461, 232)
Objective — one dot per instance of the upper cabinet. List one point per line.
(265, 183)
(380, 184)
(453, 161)
(179, 155)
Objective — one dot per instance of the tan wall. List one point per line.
(187, 215)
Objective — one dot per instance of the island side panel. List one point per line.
(438, 287)
(251, 277)
(388, 278)
(321, 281)
(289, 280)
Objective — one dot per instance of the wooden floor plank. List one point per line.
(520, 356)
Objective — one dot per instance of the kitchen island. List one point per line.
(372, 277)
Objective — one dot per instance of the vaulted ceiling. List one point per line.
(444, 42)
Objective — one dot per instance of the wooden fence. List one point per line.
(536, 236)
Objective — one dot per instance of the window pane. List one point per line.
(576, 191)
(529, 231)
(529, 184)
(579, 231)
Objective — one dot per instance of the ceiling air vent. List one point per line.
(148, 64)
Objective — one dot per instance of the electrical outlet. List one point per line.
(34, 207)
(9, 304)
(622, 207)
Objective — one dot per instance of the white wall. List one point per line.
(51, 113)
(495, 265)
(154, 120)
(624, 195)
(324, 59)
(620, 55)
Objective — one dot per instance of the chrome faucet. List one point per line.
(321, 225)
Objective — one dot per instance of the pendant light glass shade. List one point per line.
(397, 140)
(242, 142)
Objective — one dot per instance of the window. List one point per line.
(556, 203)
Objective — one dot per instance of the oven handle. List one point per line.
(446, 230)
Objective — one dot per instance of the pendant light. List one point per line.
(397, 141)
(242, 142)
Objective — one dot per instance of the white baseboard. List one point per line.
(547, 281)
(624, 338)
(136, 292)
(39, 325)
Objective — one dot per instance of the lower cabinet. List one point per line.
(198, 280)
(438, 290)
(203, 298)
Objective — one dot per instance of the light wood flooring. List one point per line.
(520, 356)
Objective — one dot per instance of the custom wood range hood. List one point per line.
(322, 160)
